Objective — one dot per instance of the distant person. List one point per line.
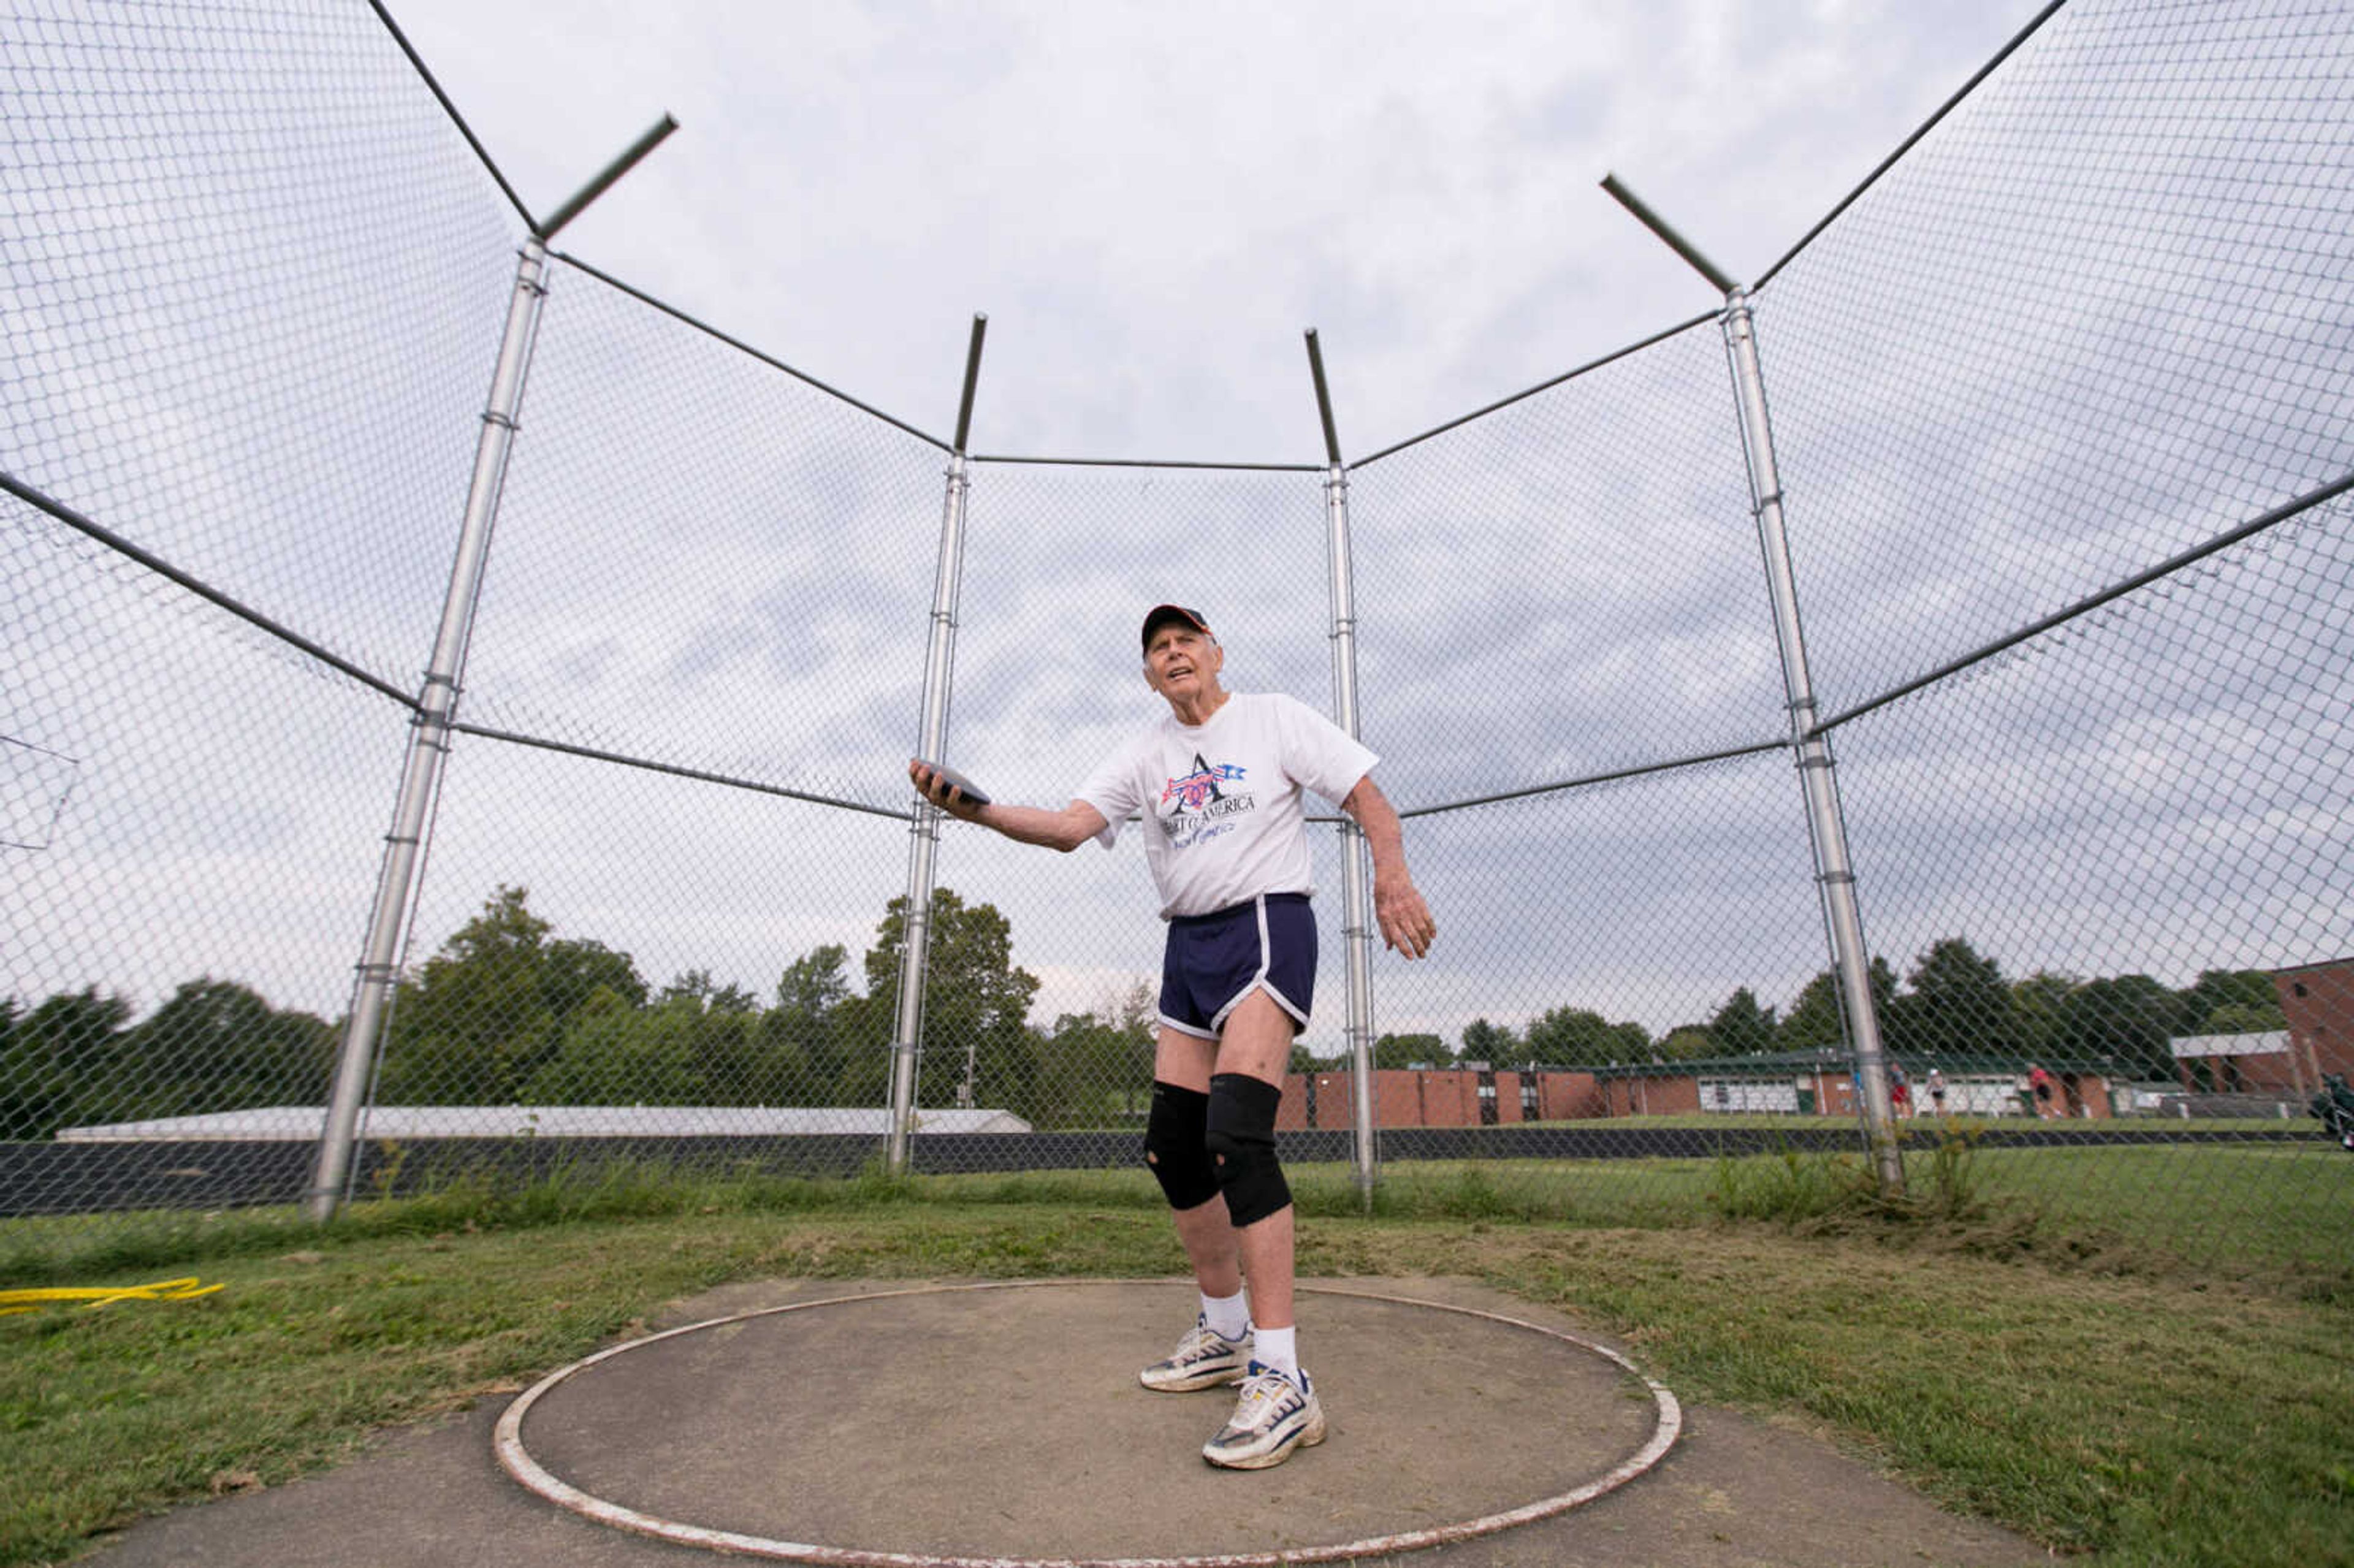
(1899, 1093)
(2039, 1085)
(1218, 783)
(1937, 1086)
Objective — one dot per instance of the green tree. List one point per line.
(489, 1010)
(1089, 1070)
(616, 1055)
(216, 1045)
(573, 971)
(62, 1064)
(1816, 1020)
(1958, 1005)
(2039, 1007)
(976, 1003)
(1136, 1014)
(697, 986)
(2232, 1001)
(2244, 1018)
(1579, 1037)
(1486, 1041)
(1742, 1027)
(1410, 1051)
(1685, 1043)
(862, 1029)
(800, 1060)
(2121, 1023)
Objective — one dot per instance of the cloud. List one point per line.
(1152, 205)
(703, 561)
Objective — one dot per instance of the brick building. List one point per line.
(2317, 1004)
(2317, 1000)
(1440, 1096)
(1798, 1083)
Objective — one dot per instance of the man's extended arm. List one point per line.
(1405, 919)
(1064, 829)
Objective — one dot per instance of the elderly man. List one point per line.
(1218, 784)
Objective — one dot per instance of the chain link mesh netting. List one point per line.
(2105, 855)
(639, 959)
(253, 286)
(2097, 316)
(724, 575)
(189, 847)
(705, 562)
(1061, 563)
(251, 294)
(1596, 537)
(2095, 320)
(2102, 315)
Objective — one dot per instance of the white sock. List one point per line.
(1227, 1315)
(1278, 1347)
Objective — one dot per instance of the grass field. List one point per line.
(2089, 1385)
(2020, 1125)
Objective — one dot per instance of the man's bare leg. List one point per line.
(1266, 1262)
(1279, 1410)
(1205, 1231)
(1257, 1042)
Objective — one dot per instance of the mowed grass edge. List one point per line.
(2108, 1402)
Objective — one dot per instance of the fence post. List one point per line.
(437, 704)
(1356, 920)
(428, 739)
(1825, 824)
(924, 826)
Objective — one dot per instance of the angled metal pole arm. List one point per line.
(546, 228)
(971, 381)
(1667, 235)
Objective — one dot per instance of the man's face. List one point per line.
(1181, 662)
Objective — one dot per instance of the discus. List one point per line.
(943, 774)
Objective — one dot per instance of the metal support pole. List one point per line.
(1356, 919)
(437, 701)
(428, 740)
(924, 827)
(1826, 823)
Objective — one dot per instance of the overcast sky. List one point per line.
(2052, 354)
(1152, 202)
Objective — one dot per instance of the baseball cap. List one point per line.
(1161, 615)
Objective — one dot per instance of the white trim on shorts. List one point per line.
(1258, 982)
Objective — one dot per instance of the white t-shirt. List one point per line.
(1221, 800)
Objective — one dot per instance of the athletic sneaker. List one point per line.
(1202, 1359)
(1275, 1416)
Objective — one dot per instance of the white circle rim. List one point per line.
(516, 1460)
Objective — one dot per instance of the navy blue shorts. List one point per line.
(1213, 961)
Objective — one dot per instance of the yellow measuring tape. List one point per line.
(12, 1301)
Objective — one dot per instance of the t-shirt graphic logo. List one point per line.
(1197, 790)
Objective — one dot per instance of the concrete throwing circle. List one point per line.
(959, 1424)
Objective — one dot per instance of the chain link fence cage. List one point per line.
(2060, 401)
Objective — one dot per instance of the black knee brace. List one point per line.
(1174, 1145)
(1241, 1142)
